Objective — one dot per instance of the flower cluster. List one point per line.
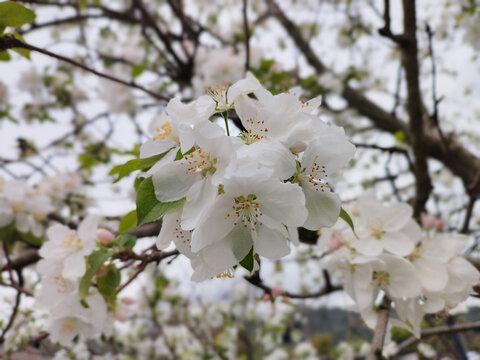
(387, 252)
(26, 208)
(62, 267)
(245, 194)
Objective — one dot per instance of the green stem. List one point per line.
(226, 122)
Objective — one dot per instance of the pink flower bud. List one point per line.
(298, 147)
(101, 271)
(440, 224)
(266, 297)
(127, 300)
(121, 315)
(104, 236)
(277, 291)
(334, 242)
(428, 221)
(285, 299)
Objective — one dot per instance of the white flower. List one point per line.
(70, 319)
(255, 209)
(69, 248)
(385, 227)
(321, 157)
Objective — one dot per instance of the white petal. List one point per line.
(171, 181)
(199, 198)
(170, 225)
(397, 243)
(6, 213)
(213, 225)
(270, 243)
(74, 266)
(283, 202)
(323, 207)
(87, 230)
(432, 273)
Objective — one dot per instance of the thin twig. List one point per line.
(247, 35)
(10, 42)
(380, 330)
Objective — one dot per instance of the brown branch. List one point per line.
(409, 49)
(247, 34)
(438, 330)
(156, 256)
(255, 280)
(11, 42)
(380, 330)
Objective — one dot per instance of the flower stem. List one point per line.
(226, 122)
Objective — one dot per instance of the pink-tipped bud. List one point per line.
(121, 315)
(104, 236)
(101, 271)
(285, 299)
(298, 147)
(266, 297)
(277, 291)
(428, 221)
(127, 300)
(334, 242)
(440, 224)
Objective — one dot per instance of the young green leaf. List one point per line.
(128, 222)
(134, 164)
(346, 217)
(15, 15)
(148, 207)
(126, 240)
(248, 261)
(97, 258)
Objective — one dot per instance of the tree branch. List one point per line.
(380, 330)
(11, 42)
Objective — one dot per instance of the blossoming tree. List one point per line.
(145, 136)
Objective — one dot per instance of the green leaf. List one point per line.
(85, 283)
(31, 239)
(126, 240)
(98, 258)
(24, 52)
(7, 233)
(179, 154)
(137, 70)
(148, 207)
(107, 285)
(14, 15)
(399, 137)
(248, 261)
(135, 164)
(346, 217)
(127, 222)
(4, 56)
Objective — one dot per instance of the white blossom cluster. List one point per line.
(28, 207)
(62, 267)
(251, 190)
(225, 65)
(421, 272)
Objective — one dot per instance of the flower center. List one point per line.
(71, 240)
(165, 131)
(61, 284)
(226, 274)
(18, 207)
(199, 161)
(316, 176)
(375, 226)
(246, 211)
(381, 278)
(181, 234)
(219, 94)
(67, 326)
(255, 131)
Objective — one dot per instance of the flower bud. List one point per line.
(104, 236)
